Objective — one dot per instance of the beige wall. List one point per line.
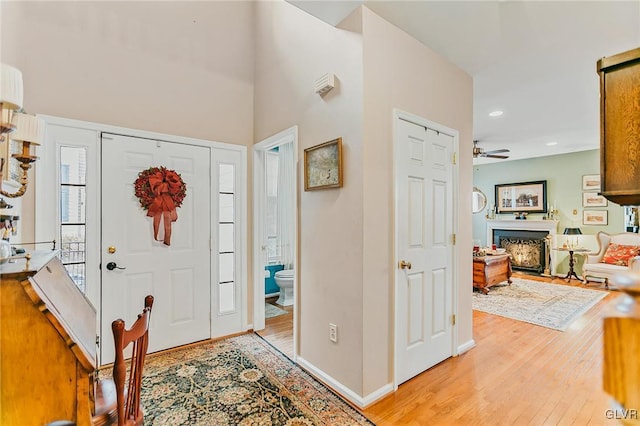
(400, 72)
(166, 67)
(346, 236)
(187, 68)
(292, 50)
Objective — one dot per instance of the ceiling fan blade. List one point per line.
(495, 156)
(496, 151)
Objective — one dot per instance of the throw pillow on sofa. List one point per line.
(619, 254)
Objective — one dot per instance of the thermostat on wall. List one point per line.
(325, 83)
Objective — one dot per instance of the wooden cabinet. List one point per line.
(491, 270)
(620, 127)
(47, 342)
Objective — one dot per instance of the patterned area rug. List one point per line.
(271, 311)
(238, 381)
(549, 305)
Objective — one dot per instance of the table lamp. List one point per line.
(573, 231)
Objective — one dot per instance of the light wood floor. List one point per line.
(518, 374)
(279, 330)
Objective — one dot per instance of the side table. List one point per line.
(572, 262)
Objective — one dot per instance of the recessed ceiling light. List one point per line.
(552, 143)
(495, 113)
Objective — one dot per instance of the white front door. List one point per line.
(177, 275)
(424, 226)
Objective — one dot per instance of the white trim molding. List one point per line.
(345, 392)
(259, 207)
(466, 346)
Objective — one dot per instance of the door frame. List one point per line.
(259, 212)
(420, 121)
(47, 200)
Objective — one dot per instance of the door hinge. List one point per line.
(453, 319)
(454, 159)
(453, 239)
(98, 341)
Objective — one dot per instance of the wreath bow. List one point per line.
(160, 191)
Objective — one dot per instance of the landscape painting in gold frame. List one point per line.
(323, 166)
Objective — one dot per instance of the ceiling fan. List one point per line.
(479, 152)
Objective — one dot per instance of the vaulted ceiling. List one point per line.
(533, 60)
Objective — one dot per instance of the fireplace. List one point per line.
(527, 248)
(521, 236)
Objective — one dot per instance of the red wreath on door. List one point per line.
(160, 191)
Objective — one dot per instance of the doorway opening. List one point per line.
(276, 240)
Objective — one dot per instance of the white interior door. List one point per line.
(177, 275)
(424, 178)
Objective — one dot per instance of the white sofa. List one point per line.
(594, 268)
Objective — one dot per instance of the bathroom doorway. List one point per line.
(275, 213)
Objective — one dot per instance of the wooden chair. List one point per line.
(129, 410)
(125, 410)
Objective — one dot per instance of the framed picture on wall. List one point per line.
(592, 199)
(323, 166)
(595, 217)
(530, 197)
(591, 183)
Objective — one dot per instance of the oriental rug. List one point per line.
(549, 305)
(237, 381)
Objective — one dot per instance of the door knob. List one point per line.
(405, 265)
(112, 265)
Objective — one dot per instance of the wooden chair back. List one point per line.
(128, 400)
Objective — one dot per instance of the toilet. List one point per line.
(284, 280)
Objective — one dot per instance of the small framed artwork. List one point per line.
(595, 217)
(323, 166)
(592, 199)
(529, 197)
(591, 183)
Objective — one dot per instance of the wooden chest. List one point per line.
(491, 270)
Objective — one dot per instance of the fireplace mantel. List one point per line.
(551, 226)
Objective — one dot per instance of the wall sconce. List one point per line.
(17, 126)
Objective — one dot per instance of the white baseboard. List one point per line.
(341, 389)
(466, 346)
(277, 293)
(377, 395)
